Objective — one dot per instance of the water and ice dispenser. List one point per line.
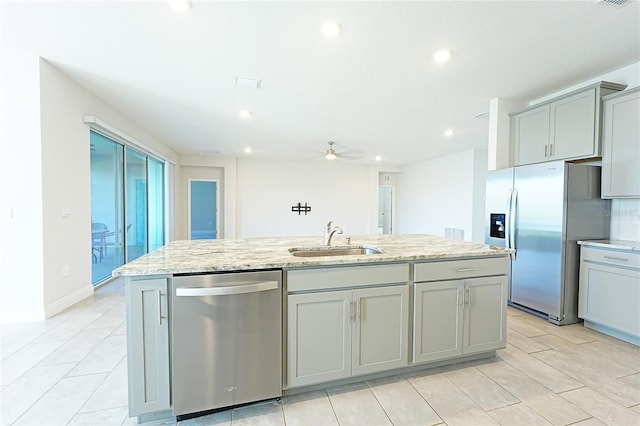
(497, 225)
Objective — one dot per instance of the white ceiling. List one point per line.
(374, 88)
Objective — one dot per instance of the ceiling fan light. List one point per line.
(331, 155)
(180, 5)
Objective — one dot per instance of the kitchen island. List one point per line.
(421, 301)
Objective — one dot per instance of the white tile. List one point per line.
(16, 398)
(57, 334)
(310, 408)
(602, 408)
(78, 347)
(449, 402)
(546, 403)
(111, 393)
(103, 358)
(110, 319)
(356, 405)
(264, 413)
(518, 414)
(482, 390)
(524, 343)
(583, 373)
(548, 376)
(62, 401)
(112, 416)
(15, 340)
(402, 403)
(24, 359)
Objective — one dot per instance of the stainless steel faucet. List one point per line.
(329, 231)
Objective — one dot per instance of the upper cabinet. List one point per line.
(564, 128)
(621, 145)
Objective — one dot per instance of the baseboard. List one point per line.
(67, 301)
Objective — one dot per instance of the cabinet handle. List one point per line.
(461, 297)
(546, 150)
(359, 310)
(467, 269)
(467, 296)
(160, 316)
(550, 150)
(352, 311)
(621, 259)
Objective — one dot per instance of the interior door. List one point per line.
(203, 209)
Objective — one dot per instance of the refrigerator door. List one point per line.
(536, 272)
(498, 190)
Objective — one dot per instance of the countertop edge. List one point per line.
(613, 244)
(315, 262)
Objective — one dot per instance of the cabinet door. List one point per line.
(319, 337)
(438, 320)
(147, 346)
(621, 147)
(380, 337)
(531, 135)
(485, 301)
(610, 296)
(572, 122)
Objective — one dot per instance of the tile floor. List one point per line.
(71, 369)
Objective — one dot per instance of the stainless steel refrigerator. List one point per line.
(541, 211)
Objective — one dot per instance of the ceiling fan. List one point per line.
(331, 153)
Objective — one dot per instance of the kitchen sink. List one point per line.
(334, 251)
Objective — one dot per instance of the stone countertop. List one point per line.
(613, 244)
(194, 256)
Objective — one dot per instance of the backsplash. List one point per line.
(625, 220)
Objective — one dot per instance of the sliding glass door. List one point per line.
(127, 205)
(107, 207)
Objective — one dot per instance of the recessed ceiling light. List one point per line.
(331, 28)
(442, 55)
(448, 132)
(378, 158)
(247, 150)
(180, 5)
(245, 114)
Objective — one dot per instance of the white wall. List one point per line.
(21, 244)
(268, 189)
(43, 242)
(443, 192)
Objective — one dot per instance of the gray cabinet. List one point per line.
(621, 145)
(147, 345)
(459, 308)
(564, 128)
(358, 327)
(609, 296)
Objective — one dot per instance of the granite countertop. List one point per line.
(193, 256)
(613, 244)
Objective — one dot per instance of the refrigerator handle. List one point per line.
(513, 210)
(507, 220)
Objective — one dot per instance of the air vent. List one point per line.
(616, 2)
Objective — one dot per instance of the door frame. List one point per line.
(189, 180)
(393, 205)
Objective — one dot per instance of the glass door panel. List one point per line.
(203, 209)
(156, 204)
(136, 204)
(107, 233)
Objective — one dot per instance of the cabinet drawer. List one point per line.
(453, 269)
(611, 257)
(347, 276)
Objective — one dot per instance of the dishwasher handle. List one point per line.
(249, 287)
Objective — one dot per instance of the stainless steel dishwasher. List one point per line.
(226, 340)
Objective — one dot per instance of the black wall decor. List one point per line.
(299, 208)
